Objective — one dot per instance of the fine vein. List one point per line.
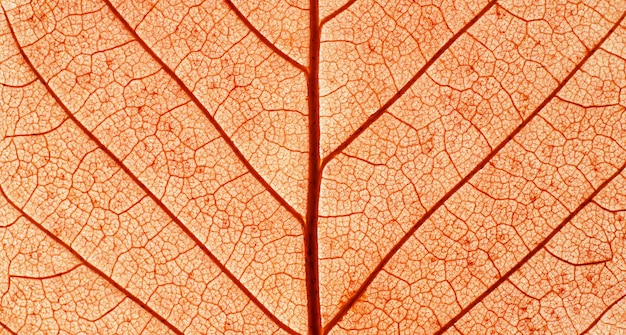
(152, 196)
(208, 115)
(91, 266)
(346, 307)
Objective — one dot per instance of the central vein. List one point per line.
(315, 176)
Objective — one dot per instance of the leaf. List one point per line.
(261, 167)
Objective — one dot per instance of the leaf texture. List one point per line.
(305, 167)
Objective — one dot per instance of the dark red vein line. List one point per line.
(39, 133)
(372, 118)
(100, 317)
(311, 255)
(20, 85)
(152, 196)
(462, 182)
(535, 250)
(337, 12)
(208, 115)
(264, 39)
(561, 259)
(49, 276)
(7, 328)
(91, 266)
(606, 310)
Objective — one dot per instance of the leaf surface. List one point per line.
(360, 166)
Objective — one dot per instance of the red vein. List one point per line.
(101, 316)
(606, 310)
(91, 266)
(462, 182)
(535, 250)
(372, 118)
(208, 115)
(337, 12)
(152, 196)
(7, 328)
(264, 39)
(38, 133)
(49, 276)
(311, 257)
(577, 264)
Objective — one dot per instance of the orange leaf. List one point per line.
(261, 167)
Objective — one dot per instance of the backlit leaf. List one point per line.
(305, 167)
